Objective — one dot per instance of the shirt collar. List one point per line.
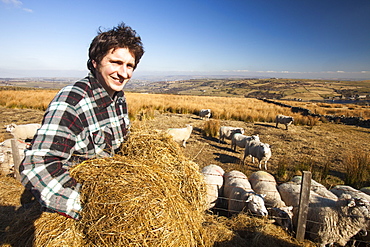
(101, 95)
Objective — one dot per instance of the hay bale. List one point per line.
(148, 196)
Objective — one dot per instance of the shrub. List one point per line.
(357, 166)
(211, 128)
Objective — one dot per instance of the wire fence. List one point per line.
(351, 211)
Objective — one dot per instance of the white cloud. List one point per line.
(17, 4)
(28, 10)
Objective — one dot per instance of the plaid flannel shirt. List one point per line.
(81, 122)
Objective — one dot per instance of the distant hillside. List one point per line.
(260, 88)
(271, 88)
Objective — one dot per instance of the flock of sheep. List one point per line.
(252, 145)
(334, 216)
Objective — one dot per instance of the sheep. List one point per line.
(240, 195)
(228, 132)
(213, 178)
(345, 189)
(264, 183)
(20, 144)
(23, 131)
(318, 188)
(289, 193)
(286, 120)
(340, 190)
(328, 221)
(240, 140)
(259, 150)
(205, 113)
(181, 134)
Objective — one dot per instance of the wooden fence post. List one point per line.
(303, 205)
(16, 159)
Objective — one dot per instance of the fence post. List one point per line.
(303, 205)
(16, 158)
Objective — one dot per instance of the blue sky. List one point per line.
(280, 38)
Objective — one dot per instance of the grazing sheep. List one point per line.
(214, 180)
(181, 134)
(241, 140)
(228, 132)
(259, 150)
(264, 183)
(205, 113)
(286, 120)
(22, 131)
(328, 221)
(240, 195)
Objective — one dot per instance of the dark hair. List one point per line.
(121, 36)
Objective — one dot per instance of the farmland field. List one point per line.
(328, 150)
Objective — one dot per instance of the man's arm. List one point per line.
(45, 168)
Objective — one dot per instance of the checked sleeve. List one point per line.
(45, 168)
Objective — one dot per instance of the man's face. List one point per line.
(115, 69)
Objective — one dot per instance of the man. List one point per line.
(87, 119)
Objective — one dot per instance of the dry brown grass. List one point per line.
(142, 106)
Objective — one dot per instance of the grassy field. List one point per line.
(256, 116)
(334, 153)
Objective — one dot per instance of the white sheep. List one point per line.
(181, 134)
(214, 180)
(318, 188)
(23, 131)
(328, 221)
(286, 120)
(205, 113)
(259, 150)
(341, 190)
(240, 195)
(241, 140)
(346, 189)
(228, 132)
(264, 183)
